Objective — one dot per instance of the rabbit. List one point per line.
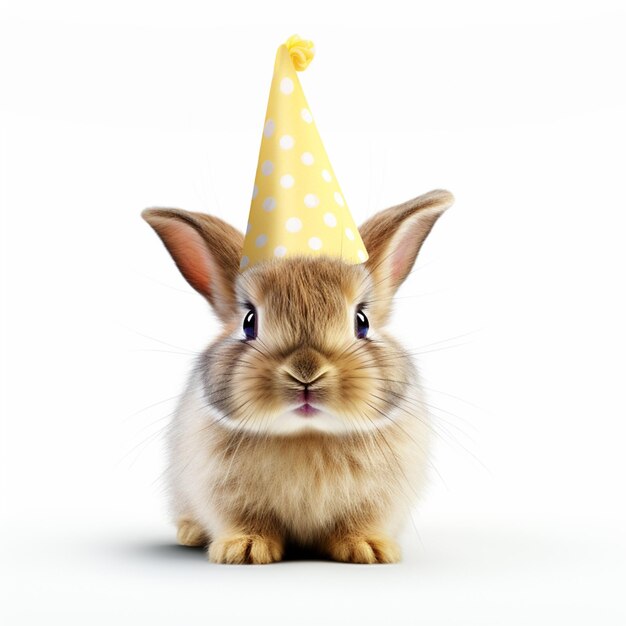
(304, 422)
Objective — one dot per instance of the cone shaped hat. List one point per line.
(297, 205)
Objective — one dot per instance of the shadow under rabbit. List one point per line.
(172, 551)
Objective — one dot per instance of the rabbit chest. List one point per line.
(307, 483)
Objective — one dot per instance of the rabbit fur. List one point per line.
(247, 472)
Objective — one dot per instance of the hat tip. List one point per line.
(301, 52)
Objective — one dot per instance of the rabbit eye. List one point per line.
(249, 324)
(361, 325)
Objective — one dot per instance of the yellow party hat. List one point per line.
(297, 206)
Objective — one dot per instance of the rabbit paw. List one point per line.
(245, 548)
(189, 533)
(364, 549)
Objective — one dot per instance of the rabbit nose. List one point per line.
(305, 384)
(305, 367)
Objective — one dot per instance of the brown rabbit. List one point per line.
(303, 421)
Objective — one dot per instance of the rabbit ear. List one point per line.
(206, 250)
(394, 237)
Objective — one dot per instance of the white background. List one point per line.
(517, 307)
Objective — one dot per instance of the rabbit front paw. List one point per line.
(364, 549)
(246, 548)
(190, 533)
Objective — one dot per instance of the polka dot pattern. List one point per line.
(269, 204)
(293, 224)
(297, 205)
(311, 200)
(286, 85)
(268, 130)
(286, 142)
(287, 181)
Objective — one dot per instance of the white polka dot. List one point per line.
(286, 85)
(315, 243)
(349, 234)
(269, 204)
(248, 228)
(261, 240)
(280, 251)
(244, 261)
(362, 256)
(306, 115)
(326, 176)
(268, 130)
(286, 142)
(307, 158)
(311, 200)
(267, 168)
(255, 191)
(293, 224)
(287, 181)
(338, 198)
(330, 220)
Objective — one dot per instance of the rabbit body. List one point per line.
(302, 431)
(313, 489)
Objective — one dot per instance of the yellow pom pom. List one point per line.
(301, 52)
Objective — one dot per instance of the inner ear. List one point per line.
(406, 244)
(205, 249)
(188, 249)
(393, 239)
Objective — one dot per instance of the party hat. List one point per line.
(297, 206)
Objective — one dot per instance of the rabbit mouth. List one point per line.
(303, 417)
(306, 410)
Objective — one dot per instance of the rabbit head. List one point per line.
(303, 345)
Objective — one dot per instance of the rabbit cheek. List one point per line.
(374, 378)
